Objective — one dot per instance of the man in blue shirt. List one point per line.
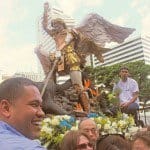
(20, 115)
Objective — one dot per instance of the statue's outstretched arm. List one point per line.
(45, 19)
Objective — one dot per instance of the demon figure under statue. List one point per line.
(73, 46)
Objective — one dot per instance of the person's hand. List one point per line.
(58, 54)
(46, 7)
(124, 104)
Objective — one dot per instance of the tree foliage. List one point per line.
(108, 74)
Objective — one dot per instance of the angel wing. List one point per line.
(44, 60)
(87, 47)
(97, 29)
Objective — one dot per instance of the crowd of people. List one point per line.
(21, 102)
(20, 123)
(88, 137)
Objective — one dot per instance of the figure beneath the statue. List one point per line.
(74, 45)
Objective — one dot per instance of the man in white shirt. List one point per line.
(128, 93)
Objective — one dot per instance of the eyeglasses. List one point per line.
(90, 130)
(84, 145)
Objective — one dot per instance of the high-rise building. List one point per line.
(30, 75)
(132, 50)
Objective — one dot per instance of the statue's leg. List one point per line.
(84, 100)
(62, 87)
(76, 78)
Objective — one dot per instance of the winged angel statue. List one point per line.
(74, 45)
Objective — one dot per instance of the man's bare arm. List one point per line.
(135, 96)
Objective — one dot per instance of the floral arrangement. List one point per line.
(121, 124)
(54, 127)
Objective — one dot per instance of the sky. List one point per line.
(19, 19)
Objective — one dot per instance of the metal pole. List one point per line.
(48, 77)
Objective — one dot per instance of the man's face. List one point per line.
(89, 127)
(26, 113)
(124, 73)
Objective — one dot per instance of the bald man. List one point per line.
(89, 127)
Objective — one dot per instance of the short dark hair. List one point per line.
(123, 68)
(113, 142)
(12, 88)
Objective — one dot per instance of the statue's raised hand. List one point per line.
(46, 7)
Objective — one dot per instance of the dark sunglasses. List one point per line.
(84, 145)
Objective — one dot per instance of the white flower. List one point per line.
(108, 121)
(99, 126)
(114, 125)
(112, 131)
(101, 85)
(99, 118)
(77, 122)
(61, 135)
(46, 129)
(106, 91)
(103, 133)
(66, 117)
(119, 132)
(55, 121)
(92, 119)
(119, 129)
(121, 123)
(125, 115)
(124, 130)
(106, 126)
(127, 135)
(133, 129)
(59, 117)
(74, 128)
(47, 120)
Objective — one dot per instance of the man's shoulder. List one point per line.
(131, 80)
(18, 142)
